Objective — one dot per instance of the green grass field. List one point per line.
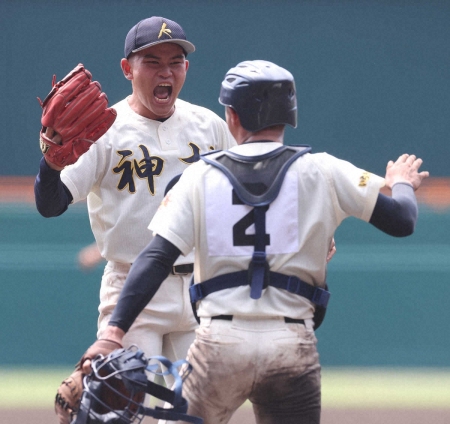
(386, 388)
(341, 388)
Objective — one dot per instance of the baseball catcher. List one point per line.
(74, 115)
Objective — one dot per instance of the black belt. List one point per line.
(287, 320)
(183, 269)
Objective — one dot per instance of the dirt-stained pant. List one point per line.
(273, 364)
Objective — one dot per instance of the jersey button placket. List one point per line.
(164, 135)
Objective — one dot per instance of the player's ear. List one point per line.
(187, 64)
(126, 69)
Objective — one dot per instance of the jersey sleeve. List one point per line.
(174, 219)
(80, 177)
(354, 190)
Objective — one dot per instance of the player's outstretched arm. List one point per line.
(397, 215)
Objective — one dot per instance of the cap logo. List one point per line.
(164, 31)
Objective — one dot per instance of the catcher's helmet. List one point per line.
(262, 94)
(114, 392)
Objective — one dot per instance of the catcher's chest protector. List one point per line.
(257, 181)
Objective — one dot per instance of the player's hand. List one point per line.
(110, 340)
(405, 170)
(89, 257)
(53, 135)
(332, 250)
(56, 138)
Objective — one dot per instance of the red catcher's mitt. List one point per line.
(78, 111)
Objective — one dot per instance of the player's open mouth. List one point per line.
(162, 93)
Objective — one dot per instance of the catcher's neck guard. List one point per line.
(114, 392)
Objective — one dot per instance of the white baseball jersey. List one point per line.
(124, 174)
(318, 192)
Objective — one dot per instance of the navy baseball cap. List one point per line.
(156, 30)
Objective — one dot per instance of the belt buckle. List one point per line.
(185, 267)
(175, 272)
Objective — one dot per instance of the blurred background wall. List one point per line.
(373, 82)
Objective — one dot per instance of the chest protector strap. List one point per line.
(257, 181)
(289, 283)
